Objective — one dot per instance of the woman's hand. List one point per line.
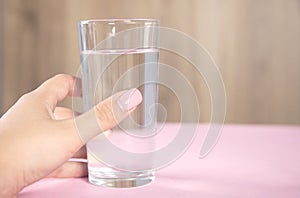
(37, 138)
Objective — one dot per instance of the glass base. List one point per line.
(108, 177)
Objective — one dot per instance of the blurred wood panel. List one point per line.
(256, 45)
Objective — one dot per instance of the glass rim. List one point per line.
(124, 20)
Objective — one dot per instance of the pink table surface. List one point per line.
(248, 161)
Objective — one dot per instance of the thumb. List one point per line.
(107, 114)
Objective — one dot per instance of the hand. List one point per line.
(37, 138)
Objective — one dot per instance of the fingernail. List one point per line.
(130, 99)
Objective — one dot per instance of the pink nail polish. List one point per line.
(130, 99)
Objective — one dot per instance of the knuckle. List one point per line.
(26, 96)
(63, 77)
(62, 80)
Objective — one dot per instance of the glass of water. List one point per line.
(118, 55)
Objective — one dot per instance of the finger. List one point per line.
(81, 153)
(103, 116)
(57, 88)
(70, 170)
(107, 114)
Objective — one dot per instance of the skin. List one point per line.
(37, 138)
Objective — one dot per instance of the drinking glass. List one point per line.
(118, 55)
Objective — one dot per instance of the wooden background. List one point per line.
(256, 44)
